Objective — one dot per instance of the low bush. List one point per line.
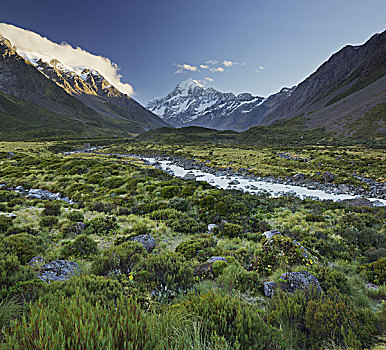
(23, 245)
(5, 223)
(119, 259)
(75, 216)
(121, 323)
(102, 225)
(179, 204)
(82, 247)
(200, 248)
(232, 230)
(53, 208)
(168, 274)
(48, 221)
(238, 323)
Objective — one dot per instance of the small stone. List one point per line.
(36, 261)
(212, 259)
(234, 182)
(269, 288)
(328, 177)
(270, 234)
(211, 227)
(10, 155)
(146, 240)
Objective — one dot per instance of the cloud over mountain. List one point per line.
(30, 43)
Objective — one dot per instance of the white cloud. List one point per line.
(261, 67)
(204, 66)
(185, 67)
(217, 69)
(210, 80)
(228, 63)
(212, 62)
(78, 58)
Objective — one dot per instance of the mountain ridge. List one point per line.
(96, 104)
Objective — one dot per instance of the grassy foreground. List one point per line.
(124, 297)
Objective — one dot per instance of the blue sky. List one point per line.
(265, 44)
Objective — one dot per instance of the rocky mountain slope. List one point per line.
(343, 92)
(191, 104)
(61, 97)
(345, 95)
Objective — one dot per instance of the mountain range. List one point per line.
(40, 98)
(345, 95)
(191, 104)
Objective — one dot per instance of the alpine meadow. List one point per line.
(193, 175)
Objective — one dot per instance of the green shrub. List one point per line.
(168, 274)
(48, 221)
(78, 324)
(113, 182)
(82, 247)
(375, 271)
(53, 208)
(200, 248)
(91, 287)
(170, 191)
(332, 317)
(238, 323)
(102, 225)
(75, 216)
(178, 221)
(179, 204)
(312, 319)
(141, 228)
(119, 259)
(13, 278)
(280, 251)
(232, 230)
(234, 276)
(5, 223)
(329, 278)
(23, 245)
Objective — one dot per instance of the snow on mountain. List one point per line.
(190, 101)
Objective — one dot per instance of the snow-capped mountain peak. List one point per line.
(190, 102)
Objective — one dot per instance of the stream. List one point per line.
(251, 185)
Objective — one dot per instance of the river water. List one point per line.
(253, 186)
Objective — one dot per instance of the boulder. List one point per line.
(189, 176)
(212, 259)
(8, 215)
(234, 182)
(269, 288)
(270, 234)
(211, 227)
(358, 202)
(58, 270)
(146, 240)
(298, 281)
(299, 177)
(36, 261)
(328, 177)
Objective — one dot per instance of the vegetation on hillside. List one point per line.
(124, 296)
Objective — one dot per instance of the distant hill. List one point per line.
(38, 99)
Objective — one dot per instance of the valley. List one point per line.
(206, 220)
